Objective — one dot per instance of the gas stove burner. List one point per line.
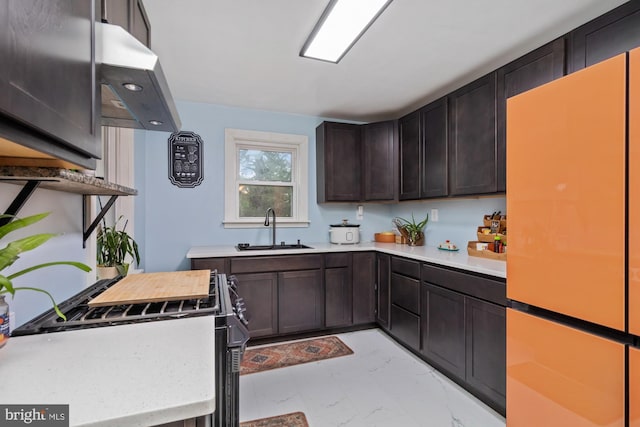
(81, 316)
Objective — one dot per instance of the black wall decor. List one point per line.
(185, 159)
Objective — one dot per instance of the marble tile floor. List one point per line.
(381, 384)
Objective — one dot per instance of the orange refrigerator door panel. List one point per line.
(634, 192)
(634, 387)
(560, 376)
(566, 194)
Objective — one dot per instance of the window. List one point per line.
(265, 170)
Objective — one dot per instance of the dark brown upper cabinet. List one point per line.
(356, 163)
(604, 37)
(434, 175)
(527, 72)
(410, 156)
(48, 98)
(380, 159)
(338, 162)
(130, 15)
(473, 157)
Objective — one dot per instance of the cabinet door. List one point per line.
(364, 294)
(472, 138)
(260, 293)
(405, 326)
(410, 156)
(575, 127)
(443, 329)
(633, 216)
(380, 159)
(527, 72)
(434, 149)
(338, 295)
(405, 292)
(384, 280)
(634, 387)
(338, 162)
(42, 85)
(486, 349)
(130, 15)
(140, 27)
(561, 376)
(604, 37)
(300, 301)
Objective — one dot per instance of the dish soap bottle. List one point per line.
(4, 321)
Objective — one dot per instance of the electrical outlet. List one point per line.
(360, 212)
(434, 215)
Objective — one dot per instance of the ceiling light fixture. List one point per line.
(341, 25)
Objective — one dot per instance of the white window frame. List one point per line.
(298, 145)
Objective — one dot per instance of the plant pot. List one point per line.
(417, 241)
(123, 269)
(106, 272)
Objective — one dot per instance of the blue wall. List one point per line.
(170, 220)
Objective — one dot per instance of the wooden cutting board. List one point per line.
(154, 287)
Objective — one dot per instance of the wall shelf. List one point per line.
(61, 180)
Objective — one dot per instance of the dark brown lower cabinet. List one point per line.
(382, 289)
(260, 293)
(405, 326)
(443, 329)
(338, 296)
(300, 301)
(486, 349)
(364, 294)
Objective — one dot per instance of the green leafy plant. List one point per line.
(114, 245)
(10, 253)
(413, 229)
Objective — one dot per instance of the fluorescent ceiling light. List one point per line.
(340, 26)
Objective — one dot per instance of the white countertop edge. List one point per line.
(135, 375)
(459, 260)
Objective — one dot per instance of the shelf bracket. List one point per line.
(94, 224)
(19, 201)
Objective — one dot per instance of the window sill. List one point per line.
(260, 224)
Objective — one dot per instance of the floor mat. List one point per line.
(295, 419)
(289, 354)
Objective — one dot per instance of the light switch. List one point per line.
(434, 215)
(360, 212)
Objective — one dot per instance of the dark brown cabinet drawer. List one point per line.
(405, 267)
(480, 287)
(220, 264)
(405, 292)
(275, 263)
(342, 259)
(405, 326)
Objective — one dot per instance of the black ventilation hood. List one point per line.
(135, 93)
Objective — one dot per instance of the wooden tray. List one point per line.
(154, 287)
(472, 251)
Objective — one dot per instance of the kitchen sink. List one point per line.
(248, 247)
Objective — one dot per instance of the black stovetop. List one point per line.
(81, 316)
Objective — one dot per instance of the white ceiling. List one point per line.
(245, 53)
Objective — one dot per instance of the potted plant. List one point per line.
(113, 246)
(413, 231)
(11, 252)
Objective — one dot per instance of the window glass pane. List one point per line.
(256, 199)
(264, 165)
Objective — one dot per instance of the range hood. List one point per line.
(135, 93)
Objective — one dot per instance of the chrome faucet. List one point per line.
(266, 223)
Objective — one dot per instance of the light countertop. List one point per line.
(460, 259)
(134, 375)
